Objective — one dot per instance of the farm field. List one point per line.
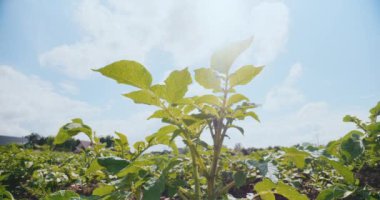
(335, 171)
(189, 100)
(347, 168)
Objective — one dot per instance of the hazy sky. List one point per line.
(322, 61)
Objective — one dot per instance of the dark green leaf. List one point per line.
(113, 164)
(240, 178)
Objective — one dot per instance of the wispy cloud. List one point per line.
(29, 103)
(286, 94)
(189, 30)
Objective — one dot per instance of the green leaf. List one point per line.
(342, 170)
(348, 118)
(159, 90)
(236, 98)
(333, 193)
(62, 195)
(4, 194)
(238, 128)
(103, 190)
(123, 138)
(253, 115)
(144, 97)
(128, 72)
(207, 78)
(69, 130)
(139, 146)
(209, 99)
(240, 178)
(113, 164)
(375, 111)
(351, 145)
(223, 59)
(135, 167)
(333, 148)
(176, 85)
(163, 136)
(244, 75)
(210, 110)
(296, 156)
(265, 189)
(159, 114)
(93, 168)
(154, 188)
(289, 192)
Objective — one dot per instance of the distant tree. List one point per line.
(238, 147)
(32, 140)
(68, 146)
(50, 141)
(108, 140)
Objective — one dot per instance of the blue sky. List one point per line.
(321, 61)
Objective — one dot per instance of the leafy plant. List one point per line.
(188, 117)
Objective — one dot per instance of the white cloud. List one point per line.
(69, 87)
(313, 122)
(286, 94)
(189, 30)
(29, 104)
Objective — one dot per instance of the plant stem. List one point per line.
(196, 177)
(218, 136)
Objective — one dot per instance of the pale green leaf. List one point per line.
(223, 59)
(210, 110)
(209, 99)
(208, 78)
(159, 114)
(69, 130)
(296, 156)
(123, 138)
(177, 84)
(128, 72)
(159, 90)
(163, 136)
(144, 97)
(244, 75)
(289, 192)
(103, 190)
(139, 146)
(93, 168)
(264, 189)
(253, 115)
(236, 98)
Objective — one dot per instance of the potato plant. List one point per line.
(189, 117)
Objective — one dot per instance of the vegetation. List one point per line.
(112, 168)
